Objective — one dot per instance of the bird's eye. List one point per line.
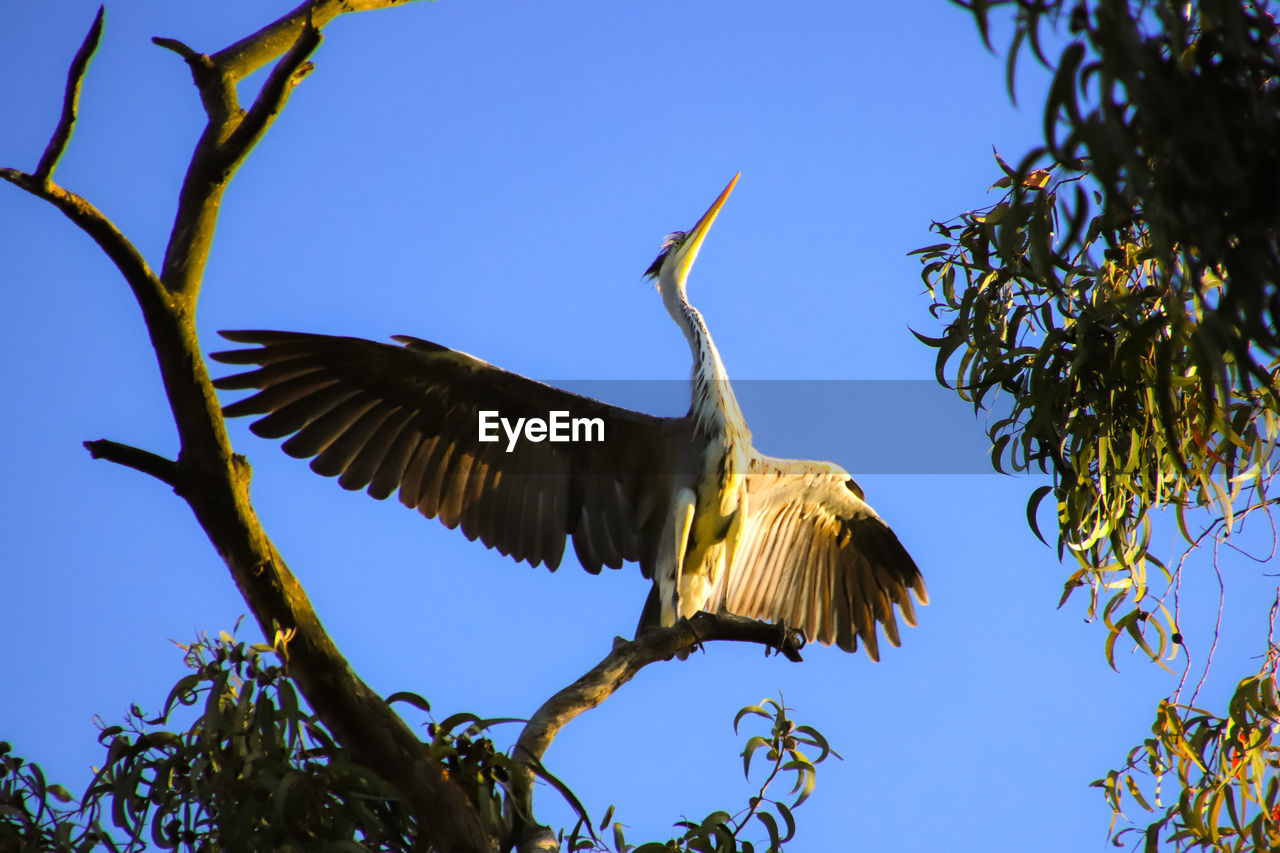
(674, 240)
(670, 243)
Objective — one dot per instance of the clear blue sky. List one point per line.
(496, 177)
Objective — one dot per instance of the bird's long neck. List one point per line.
(714, 406)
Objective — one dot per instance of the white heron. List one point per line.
(716, 524)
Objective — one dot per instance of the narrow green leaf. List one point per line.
(749, 709)
(410, 698)
(771, 825)
(1033, 505)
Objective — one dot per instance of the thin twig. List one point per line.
(163, 469)
(191, 55)
(70, 100)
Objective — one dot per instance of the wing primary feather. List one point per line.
(323, 425)
(454, 485)
(484, 509)
(366, 461)
(509, 510)
(292, 417)
(392, 469)
(584, 541)
(557, 522)
(846, 629)
(335, 458)
(435, 476)
(908, 609)
(467, 510)
(414, 473)
(269, 376)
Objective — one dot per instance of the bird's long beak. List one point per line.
(689, 251)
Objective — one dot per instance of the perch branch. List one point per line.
(70, 101)
(164, 470)
(617, 668)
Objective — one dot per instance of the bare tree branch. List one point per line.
(217, 90)
(70, 100)
(287, 73)
(249, 54)
(228, 137)
(215, 482)
(132, 265)
(619, 667)
(164, 470)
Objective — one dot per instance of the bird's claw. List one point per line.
(784, 637)
(686, 622)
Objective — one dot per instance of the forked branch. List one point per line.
(228, 138)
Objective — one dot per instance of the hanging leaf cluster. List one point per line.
(1227, 769)
(1122, 291)
(1094, 354)
(1117, 310)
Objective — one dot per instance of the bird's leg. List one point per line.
(782, 636)
(685, 503)
(687, 622)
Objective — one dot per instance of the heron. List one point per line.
(717, 525)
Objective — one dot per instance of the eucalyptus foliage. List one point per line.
(250, 768)
(721, 832)
(1118, 308)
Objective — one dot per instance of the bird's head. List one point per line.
(680, 248)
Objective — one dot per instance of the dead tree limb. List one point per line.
(213, 481)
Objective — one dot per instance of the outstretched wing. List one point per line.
(814, 555)
(386, 417)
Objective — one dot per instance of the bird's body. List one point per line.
(715, 523)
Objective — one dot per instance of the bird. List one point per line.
(718, 526)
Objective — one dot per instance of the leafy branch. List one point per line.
(719, 831)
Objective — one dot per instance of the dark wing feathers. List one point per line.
(383, 417)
